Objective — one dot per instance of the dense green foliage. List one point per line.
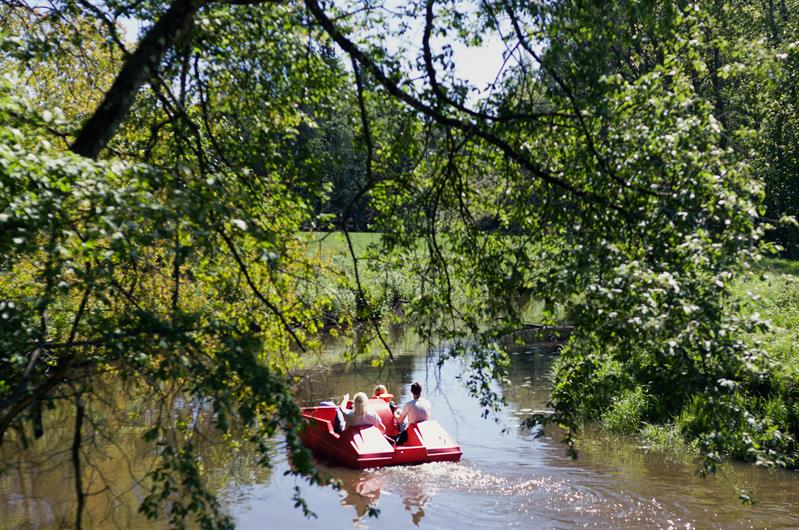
(153, 226)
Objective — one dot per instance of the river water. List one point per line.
(507, 478)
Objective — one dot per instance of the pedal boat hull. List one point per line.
(365, 446)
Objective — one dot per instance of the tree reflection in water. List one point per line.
(36, 483)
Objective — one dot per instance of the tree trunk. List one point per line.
(772, 22)
(720, 112)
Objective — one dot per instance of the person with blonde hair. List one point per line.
(362, 413)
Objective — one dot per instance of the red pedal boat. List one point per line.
(365, 446)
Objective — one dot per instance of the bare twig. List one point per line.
(18, 402)
(367, 136)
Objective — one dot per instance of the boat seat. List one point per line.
(386, 416)
(328, 415)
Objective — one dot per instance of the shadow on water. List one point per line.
(507, 478)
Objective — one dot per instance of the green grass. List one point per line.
(666, 439)
(773, 294)
(385, 290)
(783, 266)
(329, 245)
(626, 412)
(388, 288)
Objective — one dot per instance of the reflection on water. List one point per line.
(361, 490)
(37, 485)
(507, 478)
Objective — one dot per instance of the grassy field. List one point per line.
(774, 293)
(331, 244)
(385, 289)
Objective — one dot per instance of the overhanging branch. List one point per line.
(393, 88)
(138, 68)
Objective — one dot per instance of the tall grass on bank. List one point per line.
(775, 296)
(385, 290)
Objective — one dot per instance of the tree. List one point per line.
(164, 247)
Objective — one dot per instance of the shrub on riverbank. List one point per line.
(770, 403)
(626, 412)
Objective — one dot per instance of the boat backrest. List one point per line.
(430, 434)
(365, 440)
(320, 413)
(329, 415)
(386, 416)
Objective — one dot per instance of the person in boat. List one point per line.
(416, 410)
(362, 413)
(381, 392)
(338, 419)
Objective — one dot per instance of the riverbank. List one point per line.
(388, 287)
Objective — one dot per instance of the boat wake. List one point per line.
(543, 498)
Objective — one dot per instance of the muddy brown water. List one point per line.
(507, 477)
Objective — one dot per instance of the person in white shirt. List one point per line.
(362, 413)
(416, 410)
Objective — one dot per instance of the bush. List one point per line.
(625, 414)
(665, 438)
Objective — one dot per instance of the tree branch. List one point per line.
(138, 68)
(393, 88)
(243, 268)
(367, 136)
(578, 112)
(18, 402)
